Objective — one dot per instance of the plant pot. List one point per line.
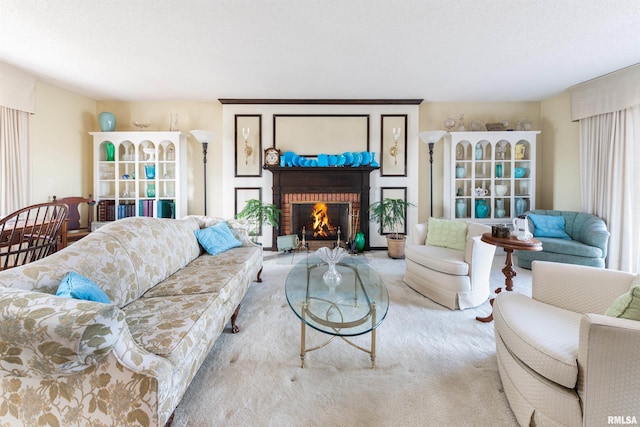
(395, 247)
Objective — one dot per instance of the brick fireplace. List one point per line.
(349, 186)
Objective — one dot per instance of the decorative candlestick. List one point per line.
(247, 150)
(394, 150)
(304, 236)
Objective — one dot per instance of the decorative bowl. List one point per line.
(140, 125)
(501, 190)
(519, 172)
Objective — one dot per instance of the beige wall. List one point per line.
(560, 159)
(192, 115)
(61, 150)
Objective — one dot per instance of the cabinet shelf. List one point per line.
(499, 154)
(164, 196)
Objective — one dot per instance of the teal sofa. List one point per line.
(587, 246)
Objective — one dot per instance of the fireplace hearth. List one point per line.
(332, 186)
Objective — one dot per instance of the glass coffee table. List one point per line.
(355, 306)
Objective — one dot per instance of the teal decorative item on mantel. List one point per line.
(107, 121)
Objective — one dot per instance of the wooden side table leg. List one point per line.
(488, 318)
(508, 270)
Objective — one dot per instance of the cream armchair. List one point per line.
(561, 361)
(457, 279)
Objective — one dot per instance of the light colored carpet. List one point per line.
(435, 367)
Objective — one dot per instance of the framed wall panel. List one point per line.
(393, 134)
(313, 134)
(395, 193)
(248, 146)
(243, 194)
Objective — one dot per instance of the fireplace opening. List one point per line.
(321, 220)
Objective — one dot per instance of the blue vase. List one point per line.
(107, 121)
(461, 208)
(150, 171)
(482, 210)
(521, 206)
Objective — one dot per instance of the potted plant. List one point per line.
(391, 214)
(258, 214)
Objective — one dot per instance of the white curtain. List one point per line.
(610, 181)
(14, 155)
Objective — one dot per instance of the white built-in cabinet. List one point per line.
(145, 176)
(480, 170)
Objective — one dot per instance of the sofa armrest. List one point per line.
(42, 334)
(479, 256)
(578, 288)
(419, 235)
(608, 376)
(594, 233)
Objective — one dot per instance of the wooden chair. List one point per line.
(74, 227)
(31, 233)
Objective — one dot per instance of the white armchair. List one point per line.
(561, 361)
(457, 279)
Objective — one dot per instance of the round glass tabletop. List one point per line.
(354, 306)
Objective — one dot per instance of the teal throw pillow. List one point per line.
(74, 285)
(217, 239)
(447, 233)
(548, 226)
(626, 306)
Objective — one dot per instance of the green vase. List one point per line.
(359, 241)
(110, 150)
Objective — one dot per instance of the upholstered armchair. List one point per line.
(456, 278)
(561, 360)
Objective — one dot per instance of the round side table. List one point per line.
(509, 244)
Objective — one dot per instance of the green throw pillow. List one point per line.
(626, 306)
(447, 233)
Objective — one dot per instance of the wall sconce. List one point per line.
(247, 150)
(204, 137)
(430, 138)
(394, 150)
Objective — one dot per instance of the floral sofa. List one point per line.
(72, 362)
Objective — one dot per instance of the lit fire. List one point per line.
(321, 224)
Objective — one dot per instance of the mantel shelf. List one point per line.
(330, 169)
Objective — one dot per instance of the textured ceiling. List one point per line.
(453, 50)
